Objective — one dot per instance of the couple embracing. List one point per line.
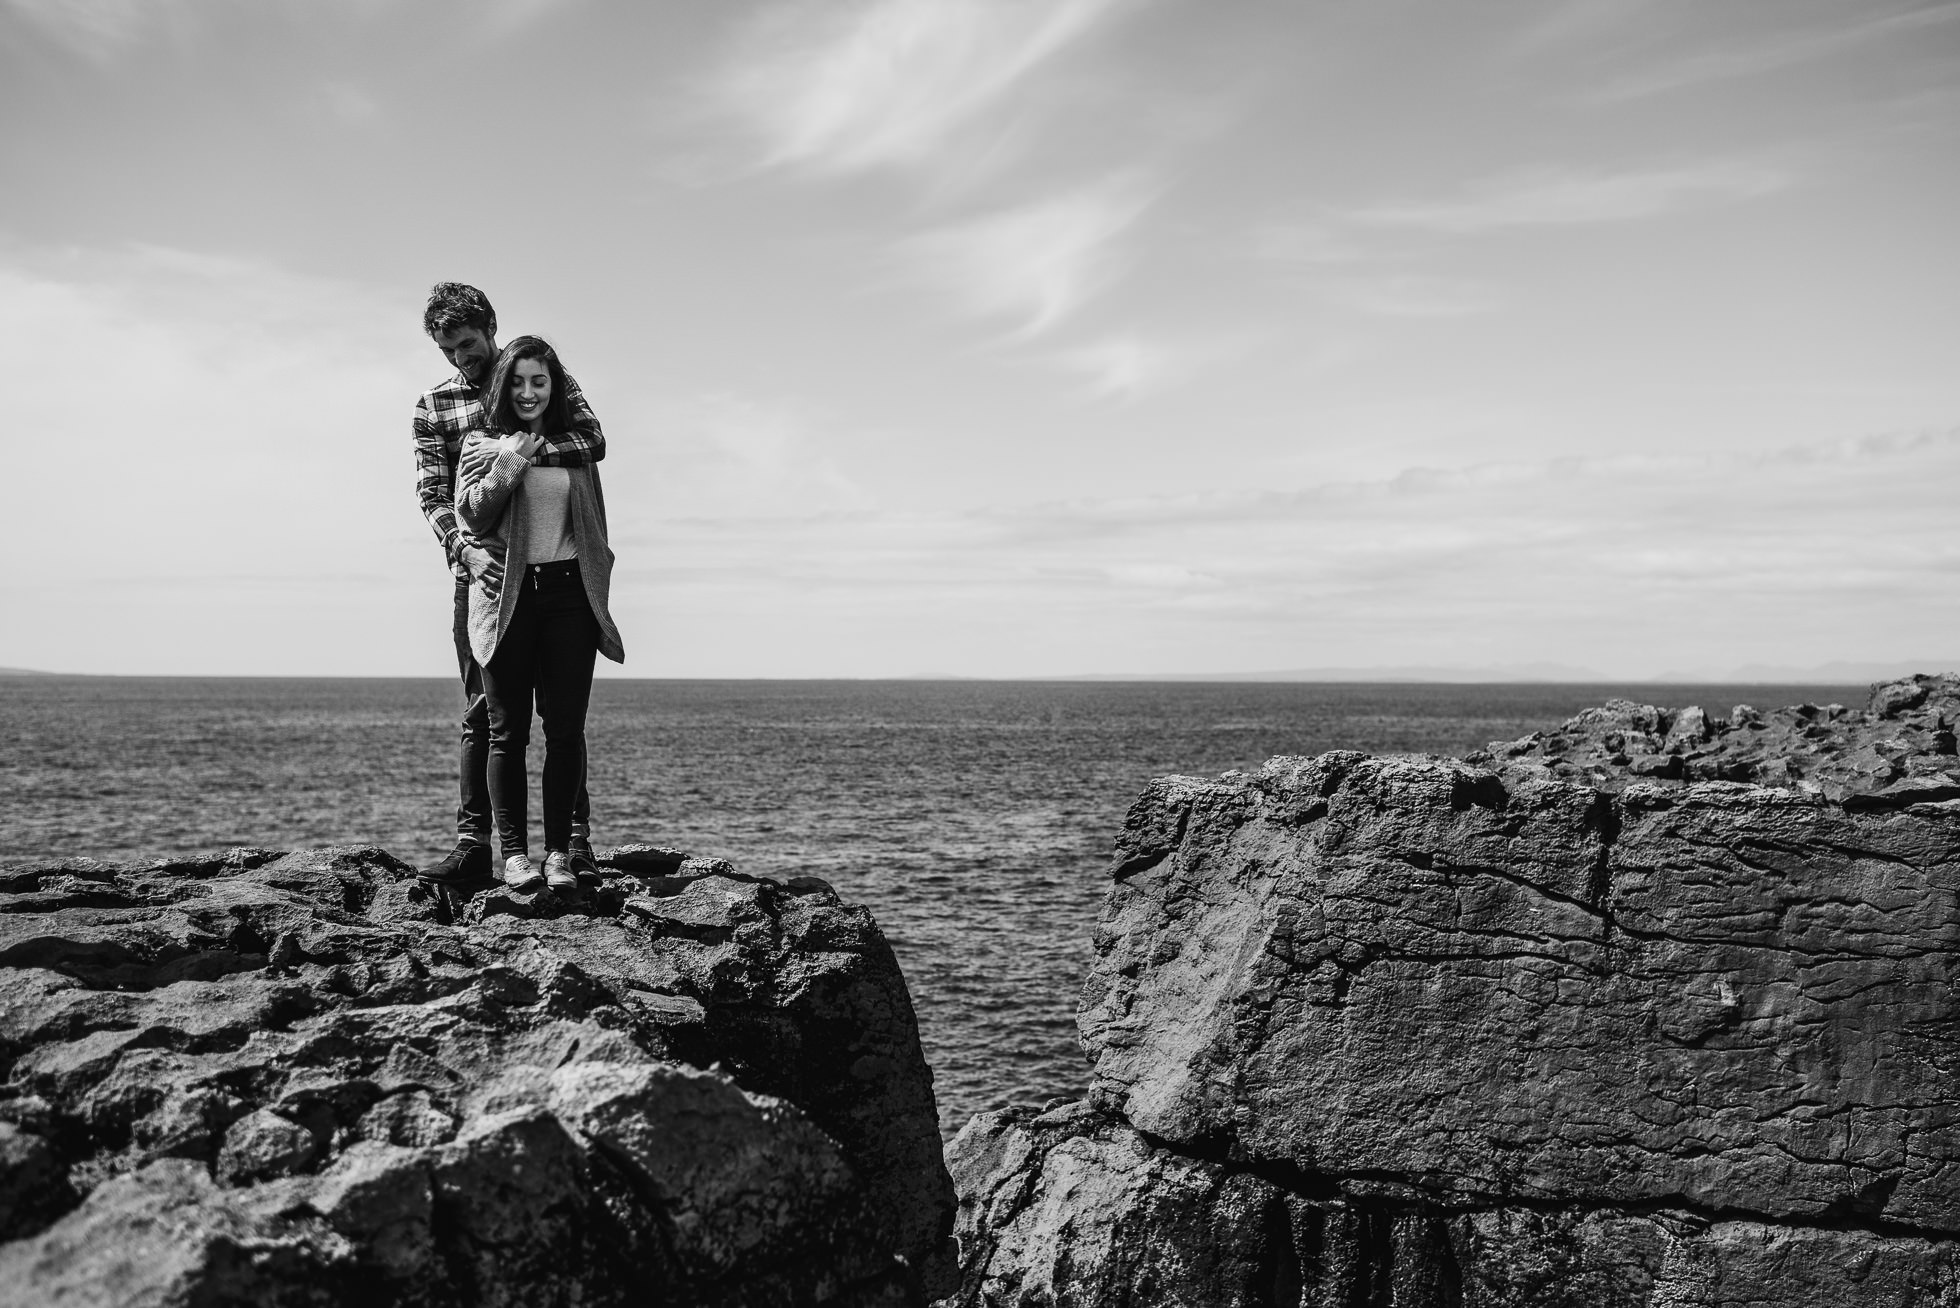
(506, 462)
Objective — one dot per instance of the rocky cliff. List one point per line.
(1592, 1020)
(300, 1078)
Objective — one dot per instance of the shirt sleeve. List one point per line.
(583, 444)
(433, 481)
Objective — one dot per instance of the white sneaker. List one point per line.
(558, 872)
(520, 873)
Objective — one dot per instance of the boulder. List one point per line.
(266, 1077)
(1424, 1032)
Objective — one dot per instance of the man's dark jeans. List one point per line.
(473, 808)
(547, 653)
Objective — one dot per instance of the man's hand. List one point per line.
(476, 460)
(526, 444)
(482, 565)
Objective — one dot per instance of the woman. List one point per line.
(537, 621)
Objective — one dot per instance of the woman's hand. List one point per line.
(524, 444)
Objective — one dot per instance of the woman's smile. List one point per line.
(530, 391)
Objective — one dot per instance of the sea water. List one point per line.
(974, 818)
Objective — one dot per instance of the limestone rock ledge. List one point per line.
(1071, 1207)
(1417, 1033)
(301, 1078)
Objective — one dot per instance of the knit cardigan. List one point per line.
(490, 501)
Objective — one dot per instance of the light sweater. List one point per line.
(548, 519)
(493, 504)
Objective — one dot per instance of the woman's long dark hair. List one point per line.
(499, 416)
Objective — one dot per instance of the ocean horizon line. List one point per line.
(1841, 674)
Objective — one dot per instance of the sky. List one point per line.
(1000, 337)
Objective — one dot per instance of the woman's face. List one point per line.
(530, 390)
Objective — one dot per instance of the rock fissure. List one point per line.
(1586, 904)
(1407, 1193)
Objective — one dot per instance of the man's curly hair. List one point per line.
(453, 305)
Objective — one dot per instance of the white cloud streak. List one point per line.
(841, 88)
(1409, 295)
(106, 30)
(735, 454)
(1567, 23)
(1631, 564)
(1119, 367)
(1549, 199)
(1128, 365)
(945, 92)
(98, 29)
(1037, 263)
(348, 104)
(1768, 53)
(1311, 243)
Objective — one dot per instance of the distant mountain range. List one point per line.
(1508, 672)
(1842, 672)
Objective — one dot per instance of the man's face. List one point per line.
(470, 350)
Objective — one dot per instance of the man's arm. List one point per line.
(432, 480)
(581, 445)
(484, 485)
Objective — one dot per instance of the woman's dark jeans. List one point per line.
(547, 652)
(474, 811)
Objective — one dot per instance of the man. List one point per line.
(461, 322)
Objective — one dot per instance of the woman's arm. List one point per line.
(488, 471)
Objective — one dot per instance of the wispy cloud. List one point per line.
(947, 93)
(348, 104)
(1128, 365)
(504, 17)
(745, 457)
(1308, 242)
(1119, 367)
(96, 28)
(1037, 263)
(1630, 563)
(1766, 53)
(1578, 22)
(842, 88)
(107, 30)
(1410, 295)
(1548, 198)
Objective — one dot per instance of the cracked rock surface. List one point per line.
(1418, 1032)
(304, 1078)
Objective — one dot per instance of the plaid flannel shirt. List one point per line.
(450, 412)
